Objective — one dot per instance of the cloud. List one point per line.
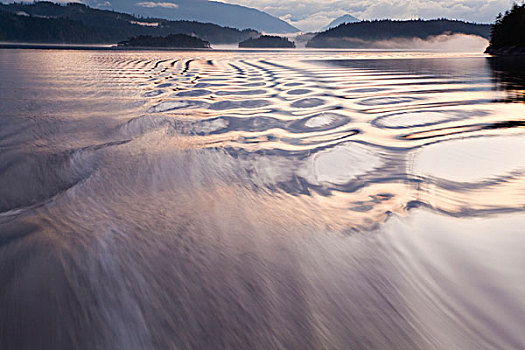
(311, 15)
(158, 4)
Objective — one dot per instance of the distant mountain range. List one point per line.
(74, 23)
(341, 20)
(223, 14)
(364, 33)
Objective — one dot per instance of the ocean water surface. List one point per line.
(261, 200)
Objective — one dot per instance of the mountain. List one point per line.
(223, 14)
(366, 33)
(508, 33)
(341, 20)
(46, 22)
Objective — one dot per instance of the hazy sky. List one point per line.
(314, 14)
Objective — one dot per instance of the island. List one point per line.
(177, 41)
(508, 33)
(372, 33)
(268, 41)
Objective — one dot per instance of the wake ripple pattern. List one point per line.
(260, 200)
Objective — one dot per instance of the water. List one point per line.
(261, 200)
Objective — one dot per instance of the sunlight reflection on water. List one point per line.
(306, 199)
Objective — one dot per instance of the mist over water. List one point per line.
(439, 43)
(260, 200)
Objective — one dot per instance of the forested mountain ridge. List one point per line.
(380, 30)
(221, 13)
(46, 22)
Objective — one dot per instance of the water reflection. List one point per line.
(266, 200)
(509, 73)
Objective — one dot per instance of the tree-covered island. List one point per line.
(179, 41)
(268, 41)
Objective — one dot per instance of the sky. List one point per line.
(311, 15)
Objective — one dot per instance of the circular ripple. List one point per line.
(153, 93)
(340, 164)
(223, 105)
(193, 93)
(241, 93)
(472, 160)
(366, 90)
(308, 103)
(422, 118)
(210, 126)
(299, 92)
(319, 122)
(381, 101)
(175, 105)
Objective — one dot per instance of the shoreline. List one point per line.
(507, 51)
(399, 53)
(92, 47)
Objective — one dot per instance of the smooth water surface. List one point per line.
(261, 200)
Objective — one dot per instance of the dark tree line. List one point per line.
(389, 29)
(509, 30)
(47, 22)
(267, 41)
(172, 40)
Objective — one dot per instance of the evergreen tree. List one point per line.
(508, 31)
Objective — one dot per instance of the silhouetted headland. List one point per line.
(508, 33)
(268, 41)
